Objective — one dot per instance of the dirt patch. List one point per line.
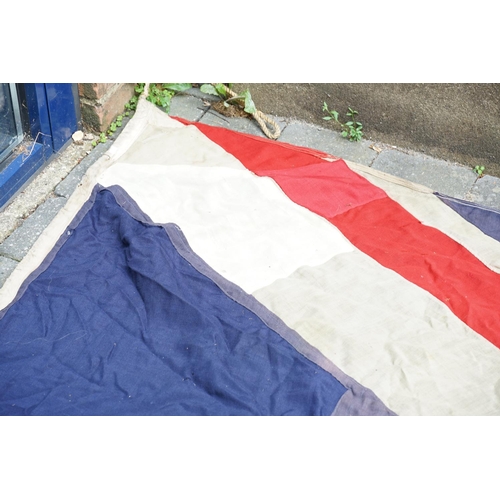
(232, 111)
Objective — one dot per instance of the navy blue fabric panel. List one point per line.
(486, 219)
(120, 324)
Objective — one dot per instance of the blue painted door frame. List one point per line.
(52, 116)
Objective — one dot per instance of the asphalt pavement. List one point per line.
(34, 207)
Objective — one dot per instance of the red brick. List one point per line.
(98, 113)
(94, 90)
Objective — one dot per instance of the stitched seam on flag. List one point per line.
(343, 406)
(466, 203)
(470, 212)
(388, 177)
(286, 184)
(312, 152)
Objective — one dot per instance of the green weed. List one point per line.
(161, 94)
(479, 170)
(352, 129)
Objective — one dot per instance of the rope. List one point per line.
(260, 117)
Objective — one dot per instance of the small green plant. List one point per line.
(351, 129)
(219, 89)
(112, 128)
(479, 170)
(102, 138)
(159, 94)
(132, 104)
(117, 123)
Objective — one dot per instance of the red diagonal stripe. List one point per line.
(377, 225)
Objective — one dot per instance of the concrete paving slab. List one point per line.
(239, 124)
(439, 175)
(486, 191)
(312, 136)
(188, 107)
(6, 267)
(17, 245)
(196, 92)
(66, 187)
(8, 223)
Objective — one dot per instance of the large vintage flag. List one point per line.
(201, 271)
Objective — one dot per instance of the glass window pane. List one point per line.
(10, 123)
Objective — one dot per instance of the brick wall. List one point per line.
(101, 103)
